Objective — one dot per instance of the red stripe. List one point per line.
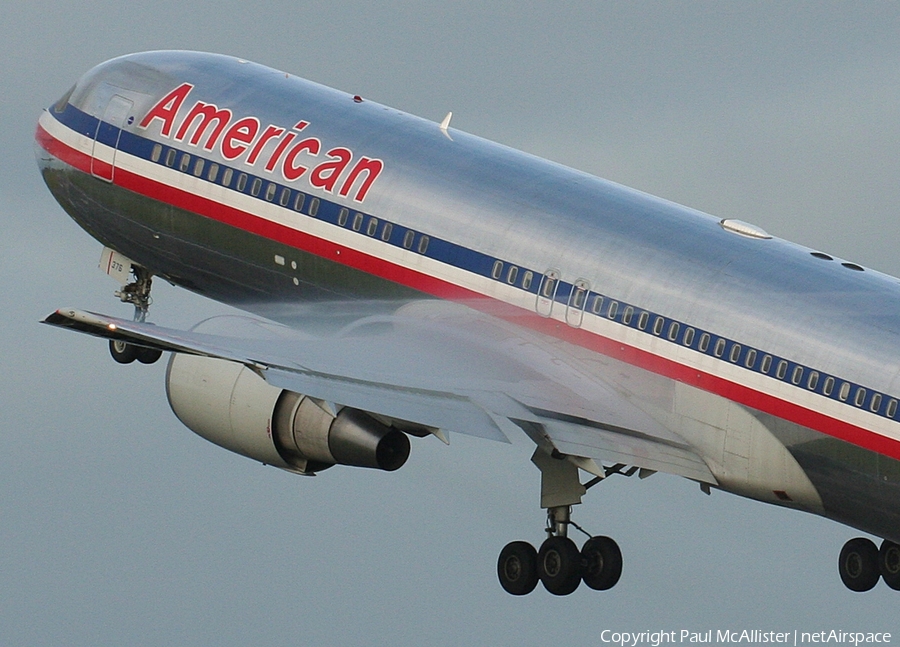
(445, 290)
(62, 151)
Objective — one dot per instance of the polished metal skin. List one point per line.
(740, 360)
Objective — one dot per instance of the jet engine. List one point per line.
(229, 405)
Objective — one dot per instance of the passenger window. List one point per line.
(255, 186)
(750, 360)
(157, 153)
(549, 287)
(658, 325)
(766, 364)
(270, 191)
(372, 227)
(612, 310)
(703, 346)
(643, 320)
(720, 347)
(213, 172)
(198, 167)
(860, 396)
(298, 201)
(812, 381)
(170, 157)
(891, 408)
(828, 385)
(797, 375)
(578, 297)
(285, 197)
(875, 405)
(497, 270)
(314, 207)
(627, 315)
(597, 304)
(386, 231)
(527, 278)
(226, 177)
(781, 371)
(184, 163)
(357, 221)
(673, 330)
(423, 244)
(512, 274)
(242, 182)
(342, 217)
(408, 239)
(688, 337)
(844, 392)
(735, 353)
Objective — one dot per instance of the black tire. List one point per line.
(517, 568)
(601, 563)
(148, 355)
(858, 564)
(889, 563)
(122, 352)
(559, 565)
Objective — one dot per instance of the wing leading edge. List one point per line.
(436, 365)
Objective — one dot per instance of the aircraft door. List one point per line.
(577, 301)
(106, 139)
(547, 293)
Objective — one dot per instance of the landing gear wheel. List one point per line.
(601, 562)
(889, 564)
(517, 568)
(148, 355)
(858, 564)
(122, 352)
(559, 565)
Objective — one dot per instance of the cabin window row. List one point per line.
(732, 352)
(517, 277)
(286, 197)
(229, 178)
(373, 228)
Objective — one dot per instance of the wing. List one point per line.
(438, 366)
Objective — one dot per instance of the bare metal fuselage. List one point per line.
(776, 365)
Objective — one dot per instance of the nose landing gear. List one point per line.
(559, 565)
(138, 294)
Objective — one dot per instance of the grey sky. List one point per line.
(119, 526)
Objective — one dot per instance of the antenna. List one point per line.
(446, 124)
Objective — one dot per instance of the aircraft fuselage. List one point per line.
(260, 189)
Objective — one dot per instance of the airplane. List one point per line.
(404, 279)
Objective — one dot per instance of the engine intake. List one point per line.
(229, 405)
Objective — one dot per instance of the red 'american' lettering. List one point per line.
(246, 140)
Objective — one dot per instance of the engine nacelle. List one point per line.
(229, 405)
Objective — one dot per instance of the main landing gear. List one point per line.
(559, 565)
(862, 564)
(138, 294)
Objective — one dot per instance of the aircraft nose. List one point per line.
(43, 142)
(41, 155)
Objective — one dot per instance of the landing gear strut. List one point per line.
(559, 565)
(136, 293)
